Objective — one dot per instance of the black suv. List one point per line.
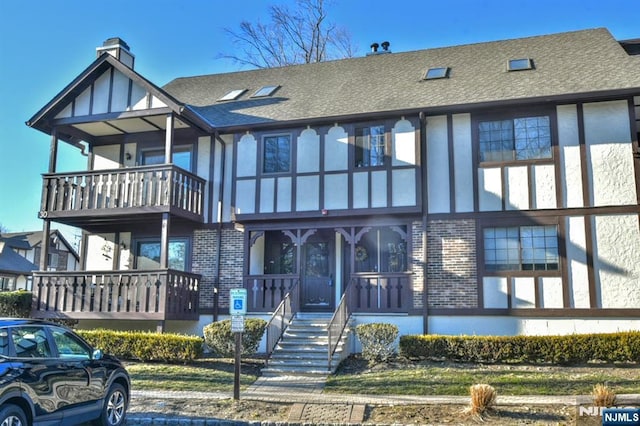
(51, 376)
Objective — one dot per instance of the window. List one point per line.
(232, 95)
(523, 248)
(382, 249)
(520, 64)
(435, 73)
(264, 91)
(524, 138)
(182, 156)
(277, 154)
(149, 254)
(370, 146)
(30, 342)
(69, 346)
(280, 254)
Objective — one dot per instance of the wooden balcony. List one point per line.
(116, 295)
(81, 198)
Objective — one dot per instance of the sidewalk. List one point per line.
(311, 406)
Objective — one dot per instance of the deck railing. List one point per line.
(266, 292)
(281, 318)
(138, 294)
(159, 187)
(380, 293)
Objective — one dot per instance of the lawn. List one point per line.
(398, 377)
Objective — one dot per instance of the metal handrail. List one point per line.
(338, 324)
(281, 318)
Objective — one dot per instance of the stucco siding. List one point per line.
(360, 187)
(404, 187)
(617, 260)
(336, 149)
(247, 156)
(267, 194)
(336, 194)
(283, 203)
(437, 165)
(463, 162)
(494, 290)
(404, 144)
(570, 158)
(307, 193)
(490, 188)
(610, 155)
(378, 189)
(308, 157)
(106, 157)
(246, 196)
(523, 293)
(551, 293)
(577, 262)
(517, 179)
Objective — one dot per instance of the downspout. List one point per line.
(425, 192)
(216, 281)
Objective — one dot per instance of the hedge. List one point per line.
(145, 346)
(570, 349)
(377, 341)
(15, 304)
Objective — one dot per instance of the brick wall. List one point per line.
(204, 263)
(451, 265)
(417, 265)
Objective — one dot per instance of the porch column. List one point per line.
(46, 227)
(168, 139)
(164, 241)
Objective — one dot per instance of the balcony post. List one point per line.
(164, 241)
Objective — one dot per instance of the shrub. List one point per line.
(377, 341)
(145, 346)
(15, 304)
(603, 396)
(221, 340)
(483, 397)
(570, 349)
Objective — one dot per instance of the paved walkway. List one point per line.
(312, 406)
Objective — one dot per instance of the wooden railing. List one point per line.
(266, 292)
(338, 324)
(380, 293)
(159, 187)
(281, 318)
(145, 294)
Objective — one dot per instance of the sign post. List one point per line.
(237, 310)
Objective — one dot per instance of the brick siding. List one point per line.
(204, 263)
(451, 266)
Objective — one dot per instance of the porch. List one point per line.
(81, 197)
(365, 292)
(162, 294)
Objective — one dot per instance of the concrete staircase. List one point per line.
(303, 349)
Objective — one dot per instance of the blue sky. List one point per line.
(45, 44)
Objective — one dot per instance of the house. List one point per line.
(490, 188)
(21, 253)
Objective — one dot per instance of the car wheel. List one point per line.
(12, 415)
(115, 407)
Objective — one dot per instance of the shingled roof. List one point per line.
(566, 64)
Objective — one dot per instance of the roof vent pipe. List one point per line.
(385, 45)
(374, 47)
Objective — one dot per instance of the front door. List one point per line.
(317, 277)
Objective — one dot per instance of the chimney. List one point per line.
(117, 48)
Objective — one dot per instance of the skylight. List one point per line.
(234, 94)
(435, 73)
(520, 64)
(264, 91)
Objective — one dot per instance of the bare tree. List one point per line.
(301, 36)
(3, 229)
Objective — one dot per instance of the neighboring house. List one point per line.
(61, 255)
(15, 270)
(490, 188)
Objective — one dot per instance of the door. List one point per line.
(317, 277)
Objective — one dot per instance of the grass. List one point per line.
(215, 375)
(203, 375)
(424, 379)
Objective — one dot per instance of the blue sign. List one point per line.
(621, 416)
(238, 301)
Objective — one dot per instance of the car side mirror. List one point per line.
(97, 354)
